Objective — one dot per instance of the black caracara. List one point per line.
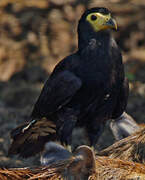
(85, 89)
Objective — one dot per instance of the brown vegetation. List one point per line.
(31, 32)
(131, 148)
(78, 167)
(106, 168)
(82, 165)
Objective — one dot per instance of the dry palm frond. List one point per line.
(77, 166)
(116, 169)
(106, 168)
(131, 148)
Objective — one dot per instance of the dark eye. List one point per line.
(93, 17)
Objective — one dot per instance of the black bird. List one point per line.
(85, 89)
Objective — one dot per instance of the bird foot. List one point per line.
(68, 147)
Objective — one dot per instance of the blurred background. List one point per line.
(36, 34)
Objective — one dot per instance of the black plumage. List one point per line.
(85, 89)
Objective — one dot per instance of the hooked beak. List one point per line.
(111, 23)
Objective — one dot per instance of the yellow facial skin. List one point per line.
(101, 22)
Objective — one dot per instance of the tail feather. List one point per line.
(30, 138)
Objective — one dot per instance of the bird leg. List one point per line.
(66, 130)
(67, 123)
(69, 148)
(94, 132)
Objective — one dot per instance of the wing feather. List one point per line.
(29, 138)
(57, 92)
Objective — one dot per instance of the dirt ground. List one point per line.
(35, 35)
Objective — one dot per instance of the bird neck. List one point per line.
(86, 38)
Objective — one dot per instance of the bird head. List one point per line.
(99, 19)
(95, 23)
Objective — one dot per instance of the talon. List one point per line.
(107, 96)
